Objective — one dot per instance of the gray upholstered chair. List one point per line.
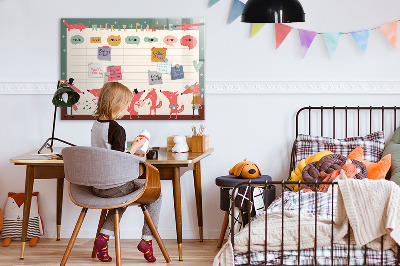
(85, 167)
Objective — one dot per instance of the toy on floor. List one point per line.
(245, 169)
(13, 215)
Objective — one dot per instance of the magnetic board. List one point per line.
(160, 60)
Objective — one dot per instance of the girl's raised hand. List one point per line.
(137, 144)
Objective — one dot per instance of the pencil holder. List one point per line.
(200, 143)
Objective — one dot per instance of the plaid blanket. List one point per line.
(323, 205)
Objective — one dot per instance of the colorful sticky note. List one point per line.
(158, 54)
(115, 73)
(164, 67)
(197, 65)
(95, 70)
(177, 72)
(155, 77)
(104, 53)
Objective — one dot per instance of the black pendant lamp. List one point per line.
(273, 11)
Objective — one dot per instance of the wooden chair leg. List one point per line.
(101, 222)
(73, 237)
(117, 238)
(154, 230)
(223, 229)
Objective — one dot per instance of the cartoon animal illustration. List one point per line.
(173, 103)
(185, 26)
(152, 95)
(13, 215)
(197, 99)
(135, 102)
(79, 26)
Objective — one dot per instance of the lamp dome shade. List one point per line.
(273, 11)
(71, 99)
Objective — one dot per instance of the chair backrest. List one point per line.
(91, 166)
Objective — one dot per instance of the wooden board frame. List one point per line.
(73, 26)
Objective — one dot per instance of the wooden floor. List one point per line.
(50, 252)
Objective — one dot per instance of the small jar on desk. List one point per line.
(226, 183)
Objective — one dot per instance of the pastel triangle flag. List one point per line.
(256, 28)
(281, 31)
(213, 2)
(332, 41)
(361, 37)
(237, 9)
(306, 39)
(389, 30)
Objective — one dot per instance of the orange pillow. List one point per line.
(375, 170)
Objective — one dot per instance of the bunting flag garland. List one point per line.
(332, 41)
(213, 2)
(306, 39)
(281, 31)
(389, 30)
(237, 9)
(256, 28)
(361, 37)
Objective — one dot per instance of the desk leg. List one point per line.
(176, 182)
(60, 190)
(199, 204)
(27, 206)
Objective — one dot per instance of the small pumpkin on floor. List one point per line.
(245, 169)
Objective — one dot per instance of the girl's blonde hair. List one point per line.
(113, 98)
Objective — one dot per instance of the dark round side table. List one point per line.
(228, 182)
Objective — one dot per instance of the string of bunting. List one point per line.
(361, 37)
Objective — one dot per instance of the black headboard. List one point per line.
(343, 122)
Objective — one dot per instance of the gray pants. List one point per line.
(154, 208)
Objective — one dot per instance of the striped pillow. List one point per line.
(372, 145)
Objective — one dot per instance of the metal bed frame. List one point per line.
(284, 183)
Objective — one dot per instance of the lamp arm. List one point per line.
(54, 127)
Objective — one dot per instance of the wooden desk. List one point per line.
(171, 167)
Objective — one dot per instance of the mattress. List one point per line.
(323, 205)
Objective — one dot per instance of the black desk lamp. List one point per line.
(65, 96)
(273, 11)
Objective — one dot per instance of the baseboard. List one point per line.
(244, 87)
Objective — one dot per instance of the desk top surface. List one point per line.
(164, 157)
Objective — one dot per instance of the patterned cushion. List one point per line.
(372, 144)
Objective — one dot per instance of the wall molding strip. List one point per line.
(243, 87)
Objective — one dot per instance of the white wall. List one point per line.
(259, 127)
